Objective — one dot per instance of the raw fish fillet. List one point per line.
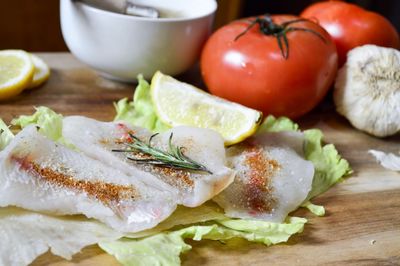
(41, 175)
(272, 177)
(98, 139)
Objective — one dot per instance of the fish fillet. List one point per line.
(41, 175)
(272, 177)
(98, 139)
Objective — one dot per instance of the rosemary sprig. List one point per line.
(173, 158)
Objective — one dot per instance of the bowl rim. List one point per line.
(137, 18)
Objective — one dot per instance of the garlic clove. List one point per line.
(367, 90)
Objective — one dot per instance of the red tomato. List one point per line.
(252, 70)
(351, 26)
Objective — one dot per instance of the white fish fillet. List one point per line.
(25, 235)
(272, 177)
(41, 175)
(98, 139)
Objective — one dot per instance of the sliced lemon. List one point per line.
(42, 72)
(16, 72)
(178, 103)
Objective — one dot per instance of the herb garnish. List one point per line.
(173, 158)
(279, 31)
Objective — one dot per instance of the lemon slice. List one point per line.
(16, 72)
(178, 103)
(42, 72)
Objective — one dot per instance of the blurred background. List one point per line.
(33, 25)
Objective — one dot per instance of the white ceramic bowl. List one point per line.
(121, 46)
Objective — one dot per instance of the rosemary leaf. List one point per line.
(173, 158)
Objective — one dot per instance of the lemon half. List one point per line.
(178, 103)
(16, 72)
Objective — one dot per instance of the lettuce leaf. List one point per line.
(330, 167)
(5, 135)
(165, 248)
(184, 216)
(25, 235)
(49, 122)
(315, 209)
(160, 247)
(140, 112)
(273, 124)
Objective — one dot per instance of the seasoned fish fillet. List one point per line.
(99, 139)
(272, 177)
(41, 175)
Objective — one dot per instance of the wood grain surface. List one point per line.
(362, 224)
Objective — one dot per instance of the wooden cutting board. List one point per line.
(362, 224)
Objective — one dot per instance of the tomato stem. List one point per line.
(279, 31)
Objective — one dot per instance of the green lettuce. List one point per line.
(5, 135)
(184, 216)
(315, 209)
(165, 248)
(50, 124)
(25, 235)
(140, 112)
(273, 124)
(330, 167)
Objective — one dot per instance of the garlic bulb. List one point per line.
(367, 90)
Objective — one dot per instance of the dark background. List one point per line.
(33, 25)
(388, 8)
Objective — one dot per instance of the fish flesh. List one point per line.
(273, 178)
(41, 175)
(204, 146)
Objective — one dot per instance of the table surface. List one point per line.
(362, 223)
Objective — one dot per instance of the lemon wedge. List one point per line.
(42, 72)
(178, 103)
(16, 72)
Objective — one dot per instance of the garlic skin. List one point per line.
(388, 160)
(367, 90)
